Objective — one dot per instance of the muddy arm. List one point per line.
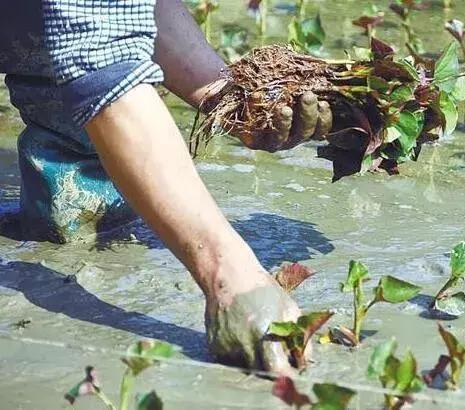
(188, 61)
(144, 153)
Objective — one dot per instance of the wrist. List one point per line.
(228, 268)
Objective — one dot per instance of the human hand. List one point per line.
(237, 328)
(308, 119)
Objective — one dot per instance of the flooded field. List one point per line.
(287, 209)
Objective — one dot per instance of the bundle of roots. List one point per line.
(374, 102)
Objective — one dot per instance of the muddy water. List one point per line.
(286, 208)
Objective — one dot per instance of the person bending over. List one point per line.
(99, 143)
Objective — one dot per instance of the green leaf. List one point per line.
(447, 68)
(358, 272)
(308, 35)
(393, 290)
(450, 112)
(284, 329)
(146, 353)
(402, 95)
(409, 126)
(408, 65)
(406, 373)
(150, 401)
(452, 305)
(332, 397)
(362, 54)
(378, 84)
(457, 261)
(459, 91)
(380, 357)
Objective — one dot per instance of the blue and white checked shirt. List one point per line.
(67, 59)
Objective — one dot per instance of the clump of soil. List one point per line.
(383, 109)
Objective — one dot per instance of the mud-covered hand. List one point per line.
(307, 119)
(237, 330)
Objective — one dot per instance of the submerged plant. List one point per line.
(329, 396)
(384, 108)
(296, 335)
(444, 301)
(370, 19)
(405, 10)
(399, 375)
(389, 289)
(139, 357)
(455, 359)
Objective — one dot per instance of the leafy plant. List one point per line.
(455, 358)
(457, 29)
(297, 335)
(389, 289)
(396, 374)
(405, 10)
(445, 302)
(139, 357)
(384, 108)
(330, 396)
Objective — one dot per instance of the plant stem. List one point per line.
(452, 282)
(208, 26)
(127, 384)
(360, 311)
(301, 9)
(263, 21)
(102, 396)
(370, 33)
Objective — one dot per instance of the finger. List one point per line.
(282, 121)
(275, 359)
(325, 120)
(308, 106)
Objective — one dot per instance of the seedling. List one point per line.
(457, 29)
(405, 10)
(455, 358)
(389, 289)
(139, 357)
(395, 374)
(370, 19)
(453, 304)
(296, 335)
(291, 276)
(384, 108)
(329, 396)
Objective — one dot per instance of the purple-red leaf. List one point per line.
(381, 50)
(284, 388)
(369, 21)
(291, 275)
